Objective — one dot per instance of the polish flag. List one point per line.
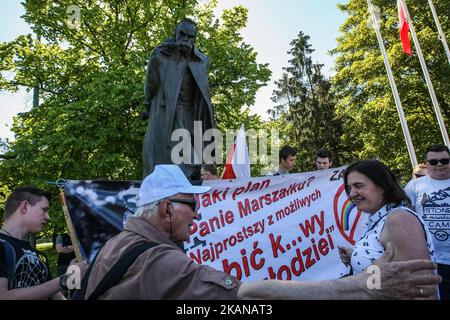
(404, 28)
(238, 162)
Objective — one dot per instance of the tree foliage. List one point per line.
(372, 128)
(306, 102)
(90, 82)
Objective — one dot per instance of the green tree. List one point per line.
(90, 79)
(372, 128)
(305, 100)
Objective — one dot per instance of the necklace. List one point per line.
(7, 232)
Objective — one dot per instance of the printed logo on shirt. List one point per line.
(436, 213)
(30, 270)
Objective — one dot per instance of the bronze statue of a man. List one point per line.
(176, 94)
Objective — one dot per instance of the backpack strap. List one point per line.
(119, 269)
(80, 293)
(10, 262)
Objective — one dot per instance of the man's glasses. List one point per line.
(434, 162)
(191, 202)
(418, 175)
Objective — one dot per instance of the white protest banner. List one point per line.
(277, 227)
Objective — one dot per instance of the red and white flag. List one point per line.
(238, 161)
(404, 28)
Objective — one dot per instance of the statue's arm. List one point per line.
(152, 82)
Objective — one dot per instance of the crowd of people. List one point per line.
(406, 236)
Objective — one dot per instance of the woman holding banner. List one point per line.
(374, 189)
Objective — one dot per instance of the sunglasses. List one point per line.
(191, 202)
(418, 175)
(434, 162)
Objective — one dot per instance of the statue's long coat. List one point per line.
(162, 87)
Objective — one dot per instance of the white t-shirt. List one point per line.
(431, 200)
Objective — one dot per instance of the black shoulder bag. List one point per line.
(114, 275)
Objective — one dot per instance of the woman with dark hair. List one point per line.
(374, 189)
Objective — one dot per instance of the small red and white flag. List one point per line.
(238, 161)
(404, 28)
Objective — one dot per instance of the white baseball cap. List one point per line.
(165, 181)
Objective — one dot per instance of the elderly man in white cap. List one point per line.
(166, 209)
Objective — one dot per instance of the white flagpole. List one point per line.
(409, 144)
(427, 77)
(441, 33)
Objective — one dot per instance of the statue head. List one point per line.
(185, 35)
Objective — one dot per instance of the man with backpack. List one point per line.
(24, 272)
(145, 260)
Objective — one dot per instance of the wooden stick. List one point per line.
(72, 233)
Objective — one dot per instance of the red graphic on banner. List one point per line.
(346, 215)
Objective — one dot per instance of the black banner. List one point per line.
(98, 209)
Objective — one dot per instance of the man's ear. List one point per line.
(164, 210)
(23, 207)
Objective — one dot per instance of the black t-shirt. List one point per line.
(65, 258)
(31, 266)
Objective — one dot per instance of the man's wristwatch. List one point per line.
(63, 280)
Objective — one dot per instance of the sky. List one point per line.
(272, 25)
